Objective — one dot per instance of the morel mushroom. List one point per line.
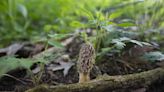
(85, 62)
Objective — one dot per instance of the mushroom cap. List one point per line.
(86, 58)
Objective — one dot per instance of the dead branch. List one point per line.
(107, 83)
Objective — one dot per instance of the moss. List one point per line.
(40, 88)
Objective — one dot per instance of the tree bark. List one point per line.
(107, 83)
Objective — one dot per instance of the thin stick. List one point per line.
(14, 78)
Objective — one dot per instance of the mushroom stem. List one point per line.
(83, 77)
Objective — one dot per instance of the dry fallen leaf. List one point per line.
(63, 64)
(12, 49)
(36, 70)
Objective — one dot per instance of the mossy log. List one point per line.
(107, 83)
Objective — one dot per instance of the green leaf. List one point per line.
(55, 44)
(153, 56)
(47, 28)
(126, 24)
(10, 63)
(118, 43)
(76, 24)
(162, 24)
(58, 36)
(22, 9)
(124, 39)
(106, 49)
(145, 43)
(115, 15)
(136, 42)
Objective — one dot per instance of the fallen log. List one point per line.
(107, 83)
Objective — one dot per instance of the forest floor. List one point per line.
(62, 70)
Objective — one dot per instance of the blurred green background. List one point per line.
(32, 20)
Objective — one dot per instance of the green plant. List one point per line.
(153, 56)
(111, 36)
(10, 63)
(14, 21)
